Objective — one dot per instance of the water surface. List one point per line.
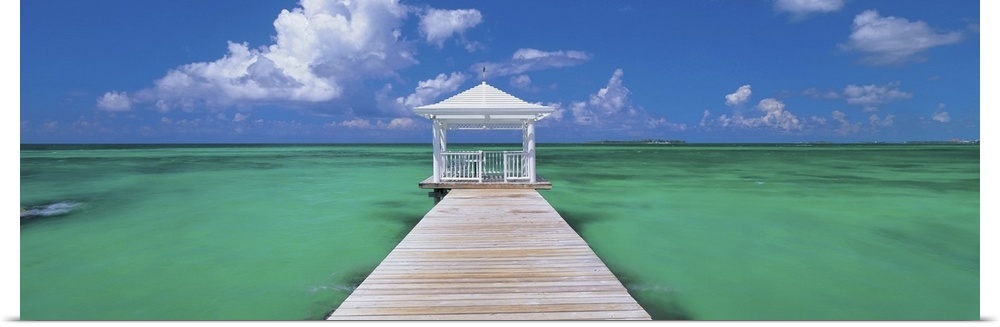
(703, 232)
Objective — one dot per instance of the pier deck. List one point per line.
(491, 254)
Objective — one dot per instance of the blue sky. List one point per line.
(225, 71)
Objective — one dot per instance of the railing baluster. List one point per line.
(483, 166)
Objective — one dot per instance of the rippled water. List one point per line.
(703, 232)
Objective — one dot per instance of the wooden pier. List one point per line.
(491, 254)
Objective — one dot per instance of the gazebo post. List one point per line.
(530, 148)
(439, 145)
(443, 138)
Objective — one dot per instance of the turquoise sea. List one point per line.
(694, 231)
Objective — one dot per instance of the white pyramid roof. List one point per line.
(483, 103)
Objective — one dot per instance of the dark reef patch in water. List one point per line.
(660, 302)
(938, 241)
(579, 220)
(407, 213)
(408, 220)
(352, 280)
(391, 203)
(396, 212)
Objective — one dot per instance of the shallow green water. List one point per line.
(704, 232)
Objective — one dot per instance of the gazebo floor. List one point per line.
(488, 183)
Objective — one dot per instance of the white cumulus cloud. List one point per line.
(358, 123)
(870, 96)
(525, 60)
(800, 9)
(816, 93)
(612, 98)
(612, 108)
(521, 81)
(942, 116)
(319, 50)
(774, 117)
(362, 123)
(582, 115)
(557, 113)
(706, 119)
(893, 40)
(431, 89)
(876, 122)
(401, 123)
(114, 101)
(739, 97)
(846, 127)
(437, 25)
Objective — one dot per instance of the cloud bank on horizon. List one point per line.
(357, 65)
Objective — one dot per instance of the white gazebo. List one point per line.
(484, 107)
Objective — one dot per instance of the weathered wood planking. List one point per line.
(491, 254)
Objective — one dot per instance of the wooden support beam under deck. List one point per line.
(539, 184)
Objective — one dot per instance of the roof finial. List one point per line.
(484, 74)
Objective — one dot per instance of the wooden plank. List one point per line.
(524, 291)
(587, 315)
(378, 297)
(491, 254)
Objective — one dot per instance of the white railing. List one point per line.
(479, 166)
(462, 166)
(514, 167)
(493, 163)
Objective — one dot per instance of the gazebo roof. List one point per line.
(483, 103)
